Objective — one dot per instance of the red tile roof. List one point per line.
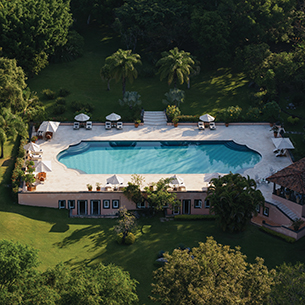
(292, 177)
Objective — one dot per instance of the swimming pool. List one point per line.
(153, 157)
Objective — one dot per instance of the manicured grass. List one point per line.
(210, 91)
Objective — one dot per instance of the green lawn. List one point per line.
(210, 91)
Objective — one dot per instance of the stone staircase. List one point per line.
(154, 118)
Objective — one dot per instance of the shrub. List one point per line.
(293, 120)
(82, 107)
(130, 238)
(253, 114)
(59, 109)
(288, 239)
(49, 94)
(195, 217)
(60, 101)
(172, 111)
(63, 92)
(119, 238)
(188, 118)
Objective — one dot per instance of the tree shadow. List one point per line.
(60, 228)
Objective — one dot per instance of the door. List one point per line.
(186, 206)
(82, 207)
(95, 207)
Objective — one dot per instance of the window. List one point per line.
(141, 205)
(115, 204)
(61, 204)
(197, 203)
(106, 204)
(207, 203)
(71, 204)
(266, 211)
(258, 208)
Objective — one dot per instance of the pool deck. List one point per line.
(61, 179)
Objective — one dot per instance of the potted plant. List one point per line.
(137, 123)
(34, 139)
(30, 180)
(175, 121)
(275, 130)
(89, 186)
(98, 186)
(297, 224)
(287, 193)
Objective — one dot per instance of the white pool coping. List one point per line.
(256, 136)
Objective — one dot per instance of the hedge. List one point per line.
(288, 239)
(188, 118)
(195, 217)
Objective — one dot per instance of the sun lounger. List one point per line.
(35, 157)
(108, 125)
(39, 152)
(89, 125)
(76, 126)
(281, 153)
(212, 126)
(119, 125)
(200, 125)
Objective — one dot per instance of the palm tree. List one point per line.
(176, 65)
(122, 66)
(10, 125)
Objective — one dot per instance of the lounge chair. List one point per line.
(200, 125)
(281, 153)
(39, 152)
(40, 135)
(89, 125)
(35, 157)
(76, 126)
(108, 125)
(212, 125)
(119, 125)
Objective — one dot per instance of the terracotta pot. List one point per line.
(227, 124)
(275, 134)
(31, 188)
(90, 190)
(98, 189)
(136, 125)
(271, 124)
(287, 196)
(175, 124)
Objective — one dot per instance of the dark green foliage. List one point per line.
(82, 106)
(234, 200)
(63, 92)
(195, 217)
(60, 101)
(73, 49)
(188, 118)
(12, 83)
(49, 94)
(30, 30)
(289, 285)
(277, 234)
(119, 238)
(59, 109)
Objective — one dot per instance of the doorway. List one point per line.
(186, 206)
(82, 207)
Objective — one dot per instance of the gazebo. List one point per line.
(291, 180)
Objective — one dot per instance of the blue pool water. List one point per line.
(151, 157)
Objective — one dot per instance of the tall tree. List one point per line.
(10, 125)
(122, 66)
(211, 274)
(30, 30)
(289, 285)
(175, 65)
(234, 199)
(12, 83)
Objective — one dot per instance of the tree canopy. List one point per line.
(21, 284)
(30, 30)
(122, 66)
(234, 199)
(211, 274)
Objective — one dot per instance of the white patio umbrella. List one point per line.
(207, 118)
(48, 126)
(82, 117)
(115, 180)
(43, 166)
(282, 143)
(176, 180)
(113, 117)
(32, 147)
(210, 176)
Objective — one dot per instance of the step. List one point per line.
(154, 118)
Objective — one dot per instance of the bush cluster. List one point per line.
(18, 173)
(293, 120)
(130, 238)
(82, 106)
(288, 239)
(188, 118)
(119, 238)
(63, 92)
(195, 217)
(49, 94)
